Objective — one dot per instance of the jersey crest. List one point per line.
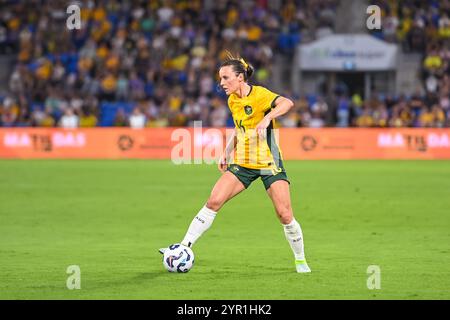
(248, 110)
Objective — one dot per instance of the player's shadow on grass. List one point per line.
(148, 275)
(137, 279)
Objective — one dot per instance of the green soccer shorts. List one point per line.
(247, 176)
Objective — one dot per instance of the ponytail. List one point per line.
(239, 65)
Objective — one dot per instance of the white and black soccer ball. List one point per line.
(178, 258)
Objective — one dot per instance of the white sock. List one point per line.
(294, 236)
(202, 221)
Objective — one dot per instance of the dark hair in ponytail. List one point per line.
(239, 66)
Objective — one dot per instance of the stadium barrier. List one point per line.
(207, 143)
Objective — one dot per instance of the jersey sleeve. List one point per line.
(267, 99)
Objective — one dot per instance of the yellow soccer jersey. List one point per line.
(251, 151)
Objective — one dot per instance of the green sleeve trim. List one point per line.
(272, 105)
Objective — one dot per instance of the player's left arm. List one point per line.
(282, 106)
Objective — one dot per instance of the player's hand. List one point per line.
(222, 164)
(262, 126)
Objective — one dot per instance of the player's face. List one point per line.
(228, 80)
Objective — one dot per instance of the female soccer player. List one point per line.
(256, 154)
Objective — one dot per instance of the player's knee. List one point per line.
(286, 219)
(214, 203)
(285, 214)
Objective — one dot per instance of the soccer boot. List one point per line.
(302, 266)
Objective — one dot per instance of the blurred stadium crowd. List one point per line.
(154, 63)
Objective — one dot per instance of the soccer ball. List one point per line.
(178, 258)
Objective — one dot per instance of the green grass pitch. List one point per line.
(110, 217)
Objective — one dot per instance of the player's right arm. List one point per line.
(224, 159)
